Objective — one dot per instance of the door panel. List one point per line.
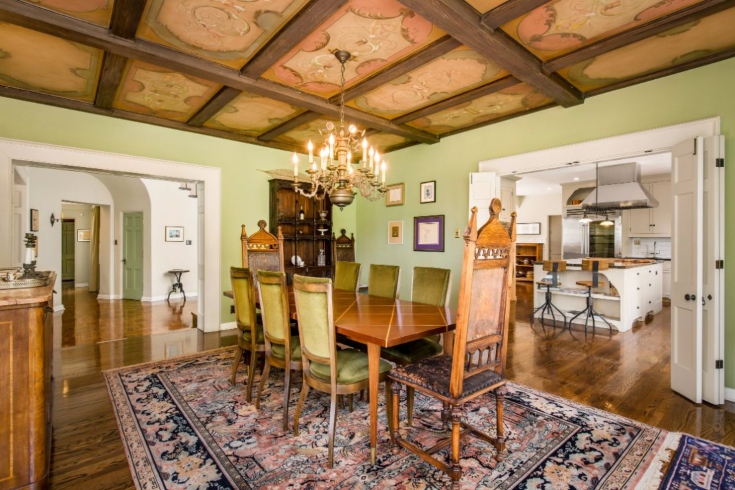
(67, 250)
(132, 256)
(686, 311)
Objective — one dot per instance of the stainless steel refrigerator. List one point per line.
(581, 240)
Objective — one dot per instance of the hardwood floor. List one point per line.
(624, 373)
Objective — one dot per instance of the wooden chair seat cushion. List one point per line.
(413, 351)
(589, 284)
(279, 350)
(432, 375)
(259, 337)
(352, 367)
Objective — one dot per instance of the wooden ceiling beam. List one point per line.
(294, 122)
(111, 75)
(126, 15)
(482, 91)
(310, 17)
(215, 104)
(430, 53)
(657, 26)
(706, 60)
(507, 11)
(49, 22)
(500, 119)
(462, 22)
(76, 105)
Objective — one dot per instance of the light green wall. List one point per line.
(244, 189)
(696, 94)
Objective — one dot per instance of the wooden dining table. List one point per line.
(383, 322)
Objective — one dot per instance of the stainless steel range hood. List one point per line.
(619, 187)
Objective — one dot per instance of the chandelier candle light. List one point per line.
(335, 176)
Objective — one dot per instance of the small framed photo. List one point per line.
(428, 191)
(395, 232)
(83, 235)
(34, 219)
(394, 195)
(428, 233)
(174, 233)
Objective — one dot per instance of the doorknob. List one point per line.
(690, 297)
(125, 261)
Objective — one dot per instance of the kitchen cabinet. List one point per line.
(666, 282)
(526, 255)
(653, 221)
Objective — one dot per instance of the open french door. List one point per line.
(697, 330)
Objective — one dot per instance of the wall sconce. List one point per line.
(54, 219)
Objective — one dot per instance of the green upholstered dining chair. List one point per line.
(346, 275)
(325, 368)
(282, 350)
(431, 286)
(384, 280)
(250, 340)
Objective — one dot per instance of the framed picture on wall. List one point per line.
(428, 233)
(528, 228)
(395, 232)
(428, 191)
(83, 235)
(394, 195)
(174, 233)
(34, 219)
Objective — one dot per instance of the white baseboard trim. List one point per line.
(58, 308)
(729, 394)
(228, 326)
(153, 299)
(108, 296)
(81, 285)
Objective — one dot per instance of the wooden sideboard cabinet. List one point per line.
(26, 325)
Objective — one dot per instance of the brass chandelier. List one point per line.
(334, 175)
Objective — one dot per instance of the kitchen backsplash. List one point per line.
(644, 247)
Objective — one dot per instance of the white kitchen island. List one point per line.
(632, 290)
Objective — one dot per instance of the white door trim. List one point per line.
(62, 157)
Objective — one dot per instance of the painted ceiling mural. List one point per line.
(484, 6)
(562, 26)
(34, 61)
(683, 44)
(455, 72)
(252, 115)
(309, 131)
(94, 11)
(377, 33)
(225, 31)
(503, 103)
(148, 89)
(383, 141)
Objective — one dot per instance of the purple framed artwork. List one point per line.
(428, 233)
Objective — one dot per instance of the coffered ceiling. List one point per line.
(263, 72)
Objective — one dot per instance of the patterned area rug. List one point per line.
(185, 427)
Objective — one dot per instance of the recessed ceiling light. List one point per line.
(576, 178)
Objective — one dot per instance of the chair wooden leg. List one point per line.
(349, 402)
(455, 471)
(251, 376)
(332, 428)
(286, 396)
(389, 402)
(393, 414)
(500, 430)
(299, 406)
(235, 363)
(263, 378)
(409, 405)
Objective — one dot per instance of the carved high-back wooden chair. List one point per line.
(262, 250)
(477, 363)
(344, 248)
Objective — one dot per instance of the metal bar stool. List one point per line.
(553, 266)
(595, 266)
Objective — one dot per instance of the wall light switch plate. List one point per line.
(456, 233)
(188, 242)
(636, 242)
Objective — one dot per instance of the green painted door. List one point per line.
(67, 250)
(132, 256)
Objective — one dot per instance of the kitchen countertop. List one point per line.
(628, 263)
